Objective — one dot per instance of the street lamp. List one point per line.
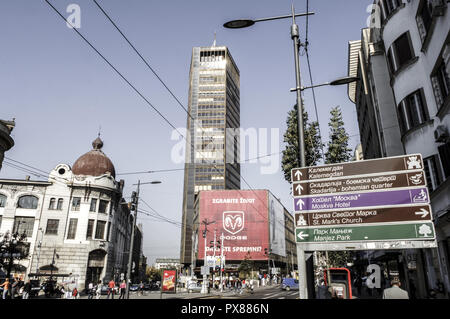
(134, 206)
(301, 155)
(243, 23)
(340, 81)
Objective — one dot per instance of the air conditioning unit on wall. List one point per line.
(441, 134)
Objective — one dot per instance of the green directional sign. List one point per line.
(411, 231)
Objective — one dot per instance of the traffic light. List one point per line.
(265, 251)
(204, 234)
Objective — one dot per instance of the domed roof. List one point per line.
(94, 162)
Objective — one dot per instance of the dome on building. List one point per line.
(94, 162)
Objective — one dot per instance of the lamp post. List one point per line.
(134, 206)
(243, 23)
(39, 251)
(205, 232)
(301, 152)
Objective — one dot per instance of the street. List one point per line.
(267, 292)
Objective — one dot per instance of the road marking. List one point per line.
(281, 297)
(272, 295)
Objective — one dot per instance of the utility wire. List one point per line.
(311, 79)
(146, 100)
(139, 54)
(116, 70)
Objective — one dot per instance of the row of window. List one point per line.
(26, 201)
(25, 225)
(31, 202)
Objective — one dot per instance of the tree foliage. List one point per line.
(246, 266)
(313, 144)
(338, 150)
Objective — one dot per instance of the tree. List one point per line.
(246, 266)
(338, 150)
(153, 274)
(313, 143)
(12, 247)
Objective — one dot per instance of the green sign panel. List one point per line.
(419, 231)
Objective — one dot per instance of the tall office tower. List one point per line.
(212, 149)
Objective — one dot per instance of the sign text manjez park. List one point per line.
(363, 201)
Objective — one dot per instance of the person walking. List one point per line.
(14, 287)
(90, 290)
(111, 286)
(123, 289)
(98, 290)
(395, 292)
(6, 286)
(141, 288)
(26, 290)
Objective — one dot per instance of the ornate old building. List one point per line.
(77, 224)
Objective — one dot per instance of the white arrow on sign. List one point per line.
(423, 212)
(297, 187)
(298, 174)
(302, 235)
(300, 204)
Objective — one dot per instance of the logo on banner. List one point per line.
(233, 222)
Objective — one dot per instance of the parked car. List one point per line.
(104, 290)
(134, 287)
(289, 283)
(194, 287)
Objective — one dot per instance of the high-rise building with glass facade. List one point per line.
(212, 148)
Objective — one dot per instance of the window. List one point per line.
(444, 153)
(72, 228)
(102, 208)
(60, 204)
(400, 53)
(1, 220)
(28, 202)
(443, 79)
(389, 6)
(76, 202)
(93, 207)
(90, 228)
(412, 111)
(2, 200)
(100, 230)
(431, 172)
(52, 227)
(24, 225)
(51, 206)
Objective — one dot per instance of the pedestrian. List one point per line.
(111, 287)
(98, 291)
(75, 293)
(395, 292)
(123, 289)
(14, 287)
(141, 288)
(90, 290)
(26, 290)
(6, 286)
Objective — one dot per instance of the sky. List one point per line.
(61, 93)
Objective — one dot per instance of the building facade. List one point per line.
(404, 66)
(167, 263)
(77, 223)
(6, 141)
(212, 148)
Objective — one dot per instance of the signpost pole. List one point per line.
(222, 265)
(301, 261)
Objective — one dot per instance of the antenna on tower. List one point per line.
(214, 43)
(99, 130)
